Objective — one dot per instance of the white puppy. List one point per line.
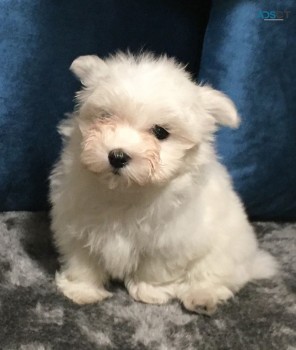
(138, 194)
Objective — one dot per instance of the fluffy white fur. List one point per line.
(169, 223)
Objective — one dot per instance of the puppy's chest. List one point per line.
(126, 237)
(138, 233)
(122, 241)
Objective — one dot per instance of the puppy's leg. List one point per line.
(214, 279)
(209, 282)
(81, 279)
(149, 293)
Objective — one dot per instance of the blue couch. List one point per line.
(228, 43)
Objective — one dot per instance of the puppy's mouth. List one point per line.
(116, 172)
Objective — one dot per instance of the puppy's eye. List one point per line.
(105, 114)
(159, 132)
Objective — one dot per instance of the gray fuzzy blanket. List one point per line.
(34, 316)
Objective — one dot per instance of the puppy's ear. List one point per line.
(89, 69)
(219, 106)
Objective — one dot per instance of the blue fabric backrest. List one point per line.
(39, 40)
(250, 54)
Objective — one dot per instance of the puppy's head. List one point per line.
(143, 120)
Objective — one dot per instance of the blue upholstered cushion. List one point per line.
(253, 61)
(39, 40)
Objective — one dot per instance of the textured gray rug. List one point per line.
(34, 316)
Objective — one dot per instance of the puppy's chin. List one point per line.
(128, 177)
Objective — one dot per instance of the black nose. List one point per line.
(118, 159)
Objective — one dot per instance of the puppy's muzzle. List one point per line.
(118, 158)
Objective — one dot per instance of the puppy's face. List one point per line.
(133, 147)
(143, 120)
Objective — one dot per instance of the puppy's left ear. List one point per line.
(88, 69)
(219, 106)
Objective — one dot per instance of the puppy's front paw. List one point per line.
(200, 303)
(79, 291)
(205, 300)
(147, 293)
